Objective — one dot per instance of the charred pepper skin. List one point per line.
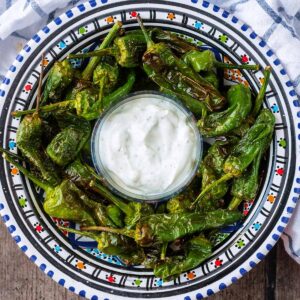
(221, 123)
(29, 141)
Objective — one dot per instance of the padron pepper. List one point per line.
(29, 141)
(206, 61)
(127, 50)
(66, 201)
(174, 75)
(87, 73)
(245, 187)
(163, 228)
(196, 250)
(114, 244)
(66, 145)
(221, 123)
(244, 153)
(86, 103)
(60, 77)
(84, 177)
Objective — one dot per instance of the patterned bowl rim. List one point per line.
(29, 248)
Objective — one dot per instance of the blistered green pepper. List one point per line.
(115, 214)
(66, 145)
(127, 50)
(244, 153)
(206, 61)
(29, 141)
(60, 77)
(196, 250)
(87, 104)
(160, 228)
(221, 123)
(114, 244)
(66, 200)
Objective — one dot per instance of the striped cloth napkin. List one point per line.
(276, 21)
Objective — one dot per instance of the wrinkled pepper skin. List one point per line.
(169, 227)
(221, 123)
(106, 76)
(115, 214)
(206, 61)
(127, 50)
(60, 77)
(87, 103)
(212, 78)
(171, 73)
(180, 203)
(196, 251)
(66, 145)
(251, 144)
(114, 244)
(29, 141)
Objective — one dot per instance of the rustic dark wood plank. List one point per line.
(20, 279)
(288, 276)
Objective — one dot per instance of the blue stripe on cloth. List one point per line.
(1, 77)
(282, 11)
(297, 15)
(18, 35)
(35, 6)
(269, 32)
(296, 81)
(233, 6)
(73, 2)
(270, 11)
(8, 4)
(26, 4)
(51, 16)
(290, 243)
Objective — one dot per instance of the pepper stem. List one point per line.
(219, 64)
(83, 233)
(96, 53)
(234, 203)
(164, 250)
(211, 186)
(260, 96)
(46, 108)
(109, 196)
(8, 157)
(88, 71)
(148, 39)
(126, 232)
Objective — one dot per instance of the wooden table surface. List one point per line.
(277, 277)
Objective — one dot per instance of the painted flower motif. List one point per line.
(223, 38)
(28, 87)
(75, 62)
(275, 108)
(198, 25)
(158, 282)
(12, 144)
(279, 171)
(218, 262)
(133, 14)
(256, 226)
(271, 198)
(110, 19)
(171, 16)
(45, 62)
(261, 80)
(245, 59)
(190, 275)
(80, 265)
(240, 243)
(62, 44)
(282, 143)
(111, 278)
(137, 282)
(57, 248)
(14, 171)
(38, 227)
(22, 201)
(83, 30)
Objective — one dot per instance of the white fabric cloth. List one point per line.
(276, 21)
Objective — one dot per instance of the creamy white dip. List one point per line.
(147, 146)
